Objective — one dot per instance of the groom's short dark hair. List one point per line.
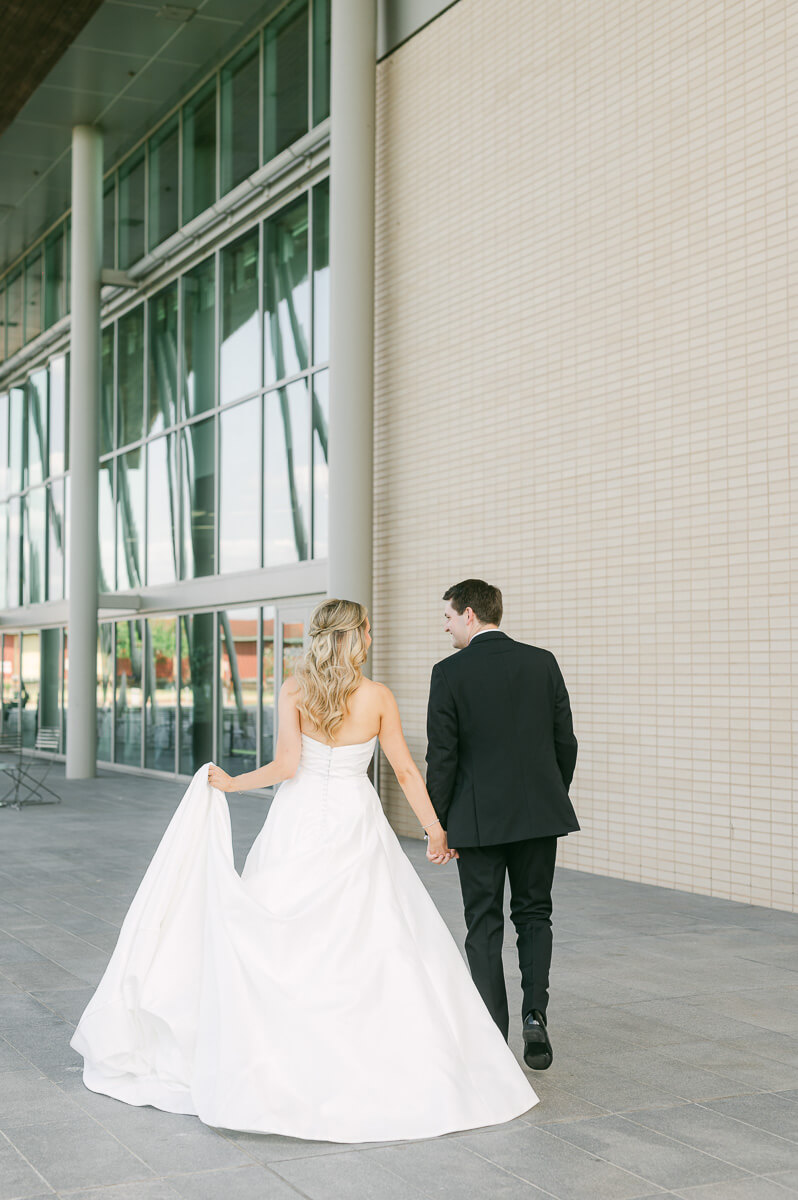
(483, 598)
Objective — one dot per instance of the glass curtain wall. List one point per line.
(269, 93)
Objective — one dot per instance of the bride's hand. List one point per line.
(220, 779)
(438, 849)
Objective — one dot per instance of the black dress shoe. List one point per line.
(538, 1054)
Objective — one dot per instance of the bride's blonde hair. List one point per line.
(329, 671)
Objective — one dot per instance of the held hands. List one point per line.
(220, 779)
(438, 848)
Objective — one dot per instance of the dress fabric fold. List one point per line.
(318, 994)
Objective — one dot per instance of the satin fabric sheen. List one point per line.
(318, 994)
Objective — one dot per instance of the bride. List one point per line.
(318, 994)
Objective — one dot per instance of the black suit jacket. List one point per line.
(501, 749)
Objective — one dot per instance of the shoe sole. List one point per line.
(538, 1054)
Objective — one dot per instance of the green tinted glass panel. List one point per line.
(106, 527)
(33, 546)
(239, 365)
(163, 359)
(54, 277)
(56, 533)
(107, 391)
(321, 60)
(130, 519)
(286, 475)
(285, 78)
(321, 272)
(130, 349)
(14, 314)
(131, 211)
(198, 457)
(237, 711)
(196, 691)
(36, 408)
(286, 292)
(109, 224)
(33, 297)
(162, 522)
(199, 339)
(163, 217)
(160, 694)
(58, 429)
(239, 487)
(105, 690)
(199, 152)
(240, 101)
(320, 417)
(128, 693)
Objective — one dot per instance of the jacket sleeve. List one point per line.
(442, 741)
(565, 743)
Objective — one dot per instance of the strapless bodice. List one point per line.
(340, 761)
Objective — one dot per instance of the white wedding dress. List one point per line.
(318, 994)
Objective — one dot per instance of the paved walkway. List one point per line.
(674, 1020)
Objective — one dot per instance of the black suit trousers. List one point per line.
(483, 870)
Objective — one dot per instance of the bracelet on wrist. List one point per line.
(435, 822)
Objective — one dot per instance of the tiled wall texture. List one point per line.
(586, 328)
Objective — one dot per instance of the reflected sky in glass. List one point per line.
(286, 476)
(239, 487)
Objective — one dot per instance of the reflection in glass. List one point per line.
(11, 688)
(2, 323)
(238, 690)
(130, 348)
(131, 210)
(16, 426)
(286, 475)
(13, 314)
(107, 390)
(239, 116)
(285, 78)
(286, 292)
(130, 518)
(50, 695)
(196, 691)
(105, 695)
(33, 296)
(3, 555)
(109, 224)
(321, 60)
(239, 365)
(56, 530)
(198, 485)
(199, 339)
(33, 546)
(162, 526)
(321, 272)
(321, 422)
(54, 278)
(29, 688)
(163, 359)
(239, 487)
(3, 445)
(58, 438)
(163, 182)
(267, 697)
(64, 689)
(160, 694)
(199, 151)
(106, 526)
(293, 646)
(128, 694)
(13, 587)
(36, 408)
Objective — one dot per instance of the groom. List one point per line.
(500, 757)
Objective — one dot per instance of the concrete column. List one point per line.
(352, 121)
(84, 404)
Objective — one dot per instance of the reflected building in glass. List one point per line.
(212, 428)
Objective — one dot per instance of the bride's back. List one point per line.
(360, 723)
(336, 704)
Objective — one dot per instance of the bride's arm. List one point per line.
(286, 755)
(409, 777)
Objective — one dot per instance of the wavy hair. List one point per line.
(330, 669)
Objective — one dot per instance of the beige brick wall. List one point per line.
(585, 295)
